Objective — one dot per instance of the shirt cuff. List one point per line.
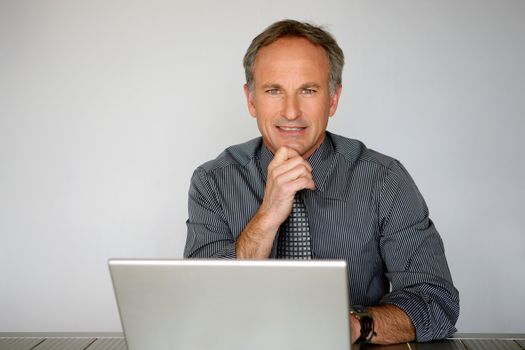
(227, 252)
(417, 310)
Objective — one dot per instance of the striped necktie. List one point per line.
(294, 234)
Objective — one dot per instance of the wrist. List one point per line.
(366, 323)
(265, 221)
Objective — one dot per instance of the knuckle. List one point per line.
(278, 180)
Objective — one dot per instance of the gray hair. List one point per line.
(291, 28)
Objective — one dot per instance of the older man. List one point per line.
(300, 192)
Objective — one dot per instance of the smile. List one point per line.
(286, 128)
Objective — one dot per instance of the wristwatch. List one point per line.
(366, 321)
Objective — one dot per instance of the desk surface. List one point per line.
(115, 341)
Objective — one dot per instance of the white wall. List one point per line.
(106, 107)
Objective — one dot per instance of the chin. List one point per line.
(297, 148)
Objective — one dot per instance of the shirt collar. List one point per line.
(321, 161)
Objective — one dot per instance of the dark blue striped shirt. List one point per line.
(366, 210)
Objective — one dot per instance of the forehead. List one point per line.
(288, 56)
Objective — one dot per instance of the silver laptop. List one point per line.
(232, 305)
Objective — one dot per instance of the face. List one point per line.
(290, 98)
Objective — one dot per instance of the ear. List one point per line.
(334, 100)
(250, 100)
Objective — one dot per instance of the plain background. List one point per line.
(106, 107)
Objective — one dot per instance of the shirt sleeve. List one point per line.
(208, 233)
(414, 257)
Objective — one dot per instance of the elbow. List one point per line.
(443, 313)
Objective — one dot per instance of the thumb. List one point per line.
(283, 154)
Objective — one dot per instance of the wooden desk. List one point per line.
(115, 341)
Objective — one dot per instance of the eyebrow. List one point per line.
(303, 86)
(271, 86)
(310, 85)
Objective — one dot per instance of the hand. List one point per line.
(288, 173)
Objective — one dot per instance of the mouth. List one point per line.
(291, 128)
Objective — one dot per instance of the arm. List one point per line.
(391, 326)
(209, 235)
(288, 173)
(414, 258)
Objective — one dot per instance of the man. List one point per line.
(351, 203)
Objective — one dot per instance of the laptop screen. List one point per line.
(232, 304)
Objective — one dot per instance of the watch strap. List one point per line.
(366, 321)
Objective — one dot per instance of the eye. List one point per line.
(272, 91)
(308, 91)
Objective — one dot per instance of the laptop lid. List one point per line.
(232, 304)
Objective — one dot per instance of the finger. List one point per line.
(291, 152)
(301, 184)
(293, 174)
(282, 155)
(306, 182)
(290, 164)
(285, 155)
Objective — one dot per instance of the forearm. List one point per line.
(256, 240)
(218, 250)
(432, 307)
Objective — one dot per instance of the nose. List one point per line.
(291, 107)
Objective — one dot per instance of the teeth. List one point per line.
(290, 129)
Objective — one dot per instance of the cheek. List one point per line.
(266, 113)
(264, 124)
(317, 111)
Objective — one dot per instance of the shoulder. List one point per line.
(368, 166)
(234, 156)
(356, 152)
